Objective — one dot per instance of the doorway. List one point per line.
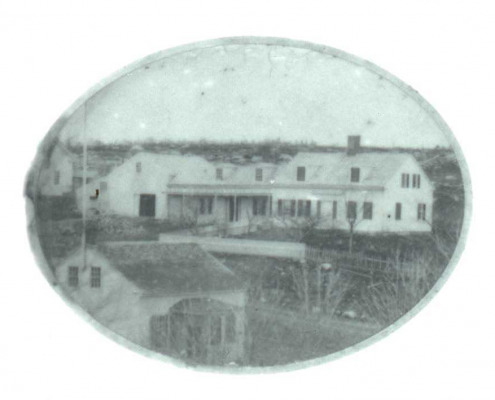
(147, 205)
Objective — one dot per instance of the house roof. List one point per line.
(376, 168)
(162, 268)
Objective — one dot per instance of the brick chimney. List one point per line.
(353, 144)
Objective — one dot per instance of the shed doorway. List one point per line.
(147, 205)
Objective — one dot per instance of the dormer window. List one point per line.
(138, 167)
(219, 174)
(301, 174)
(405, 181)
(355, 174)
(259, 174)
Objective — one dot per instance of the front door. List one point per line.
(147, 205)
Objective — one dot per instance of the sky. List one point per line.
(255, 92)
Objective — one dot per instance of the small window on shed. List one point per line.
(355, 174)
(73, 277)
(219, 174)
(95, 277)
(259, 174)
(139, 167)
(301, 174)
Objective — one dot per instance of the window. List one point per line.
(230, 328)
(215, 330)
(351, 210)
(421, 212)
(334, 209)
(219, 174)
(292, 208)
(405, 181)
(259, 174)
(355, 174)
(416, 181)
(398, 211)
(95, 277)
(139, 167)
(206, 205)
(259, 206)
(280, 210)
(318, 209)
(56, 178)
(307, 209)
(73, 278)
(300, 208)
(368, 210)
(301, 174)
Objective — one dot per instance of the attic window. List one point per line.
(355, 174)
(219, 174)
(259, 174)
(301, 174)
(138, 167)
(416, 181)
(405, 181)
(95, 277)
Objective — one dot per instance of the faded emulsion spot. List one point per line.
(235, 236)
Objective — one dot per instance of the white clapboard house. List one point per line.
(375, 191)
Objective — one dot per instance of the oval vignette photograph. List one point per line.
(246, 203)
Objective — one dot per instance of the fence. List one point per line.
(353, 262)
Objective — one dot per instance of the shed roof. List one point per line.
(162, 268)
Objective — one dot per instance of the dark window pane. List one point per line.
(354, 174)
(301, 173)
(398, 211)
(307, 209)
(368, 210)
(351, 210)
(300, 204)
